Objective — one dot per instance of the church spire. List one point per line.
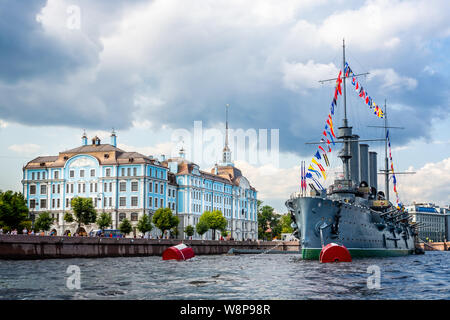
(226, 158)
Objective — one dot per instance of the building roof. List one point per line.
(106, 154)
(93, 148)
(225, 174)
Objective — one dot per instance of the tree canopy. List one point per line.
(44, 221)
(104, 220)
(201, 227)
(13, 209)
(189, 230)
(84, 210)
(267, 218)
(125, 226)
(215, 220)
(144, 224)
(68, 217)
(164, 220)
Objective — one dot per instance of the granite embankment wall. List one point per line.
(46, 247)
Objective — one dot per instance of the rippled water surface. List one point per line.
(267, 276)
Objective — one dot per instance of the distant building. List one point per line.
(434, 221)
(124, 184)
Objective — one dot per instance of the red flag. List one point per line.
(338, 82)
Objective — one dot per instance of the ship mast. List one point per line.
(345, 132)
(386, 172)
(386, 159)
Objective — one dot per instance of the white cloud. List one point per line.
(300, 77)
(431, 183)
(3, 124)
(271, 182)
(25, 149)
(379, 24)
(392, 80)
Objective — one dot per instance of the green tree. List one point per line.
(164, 220)
(267, 217)
(189, 230)
(285, 222)
(125, 226)
(13, 209)
(68, 217)
(215, 221)
(224, 233)
(201, 227)
(144, 224)
(25, 224)
(84, 211)
(44, 221)
(104, 220)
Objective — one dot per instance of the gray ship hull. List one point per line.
(365, 232)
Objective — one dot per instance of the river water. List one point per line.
(258, 276)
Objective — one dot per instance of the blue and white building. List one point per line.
(130, 184)
(124, 184)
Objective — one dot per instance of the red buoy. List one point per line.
(178, 252)
(334, 252)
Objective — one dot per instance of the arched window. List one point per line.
(122, 216)
(134, 216)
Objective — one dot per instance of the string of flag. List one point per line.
(362, 92)
(316, 170)
(394, 179)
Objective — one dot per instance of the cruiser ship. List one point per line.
(351, 212)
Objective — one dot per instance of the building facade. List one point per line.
(224, 189)
(124, 184)
(130, 184)
(434, 222)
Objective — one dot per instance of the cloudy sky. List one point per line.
(147, 68)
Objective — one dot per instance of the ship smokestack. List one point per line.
(364, 162)
(354, 160)
(373, 178)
